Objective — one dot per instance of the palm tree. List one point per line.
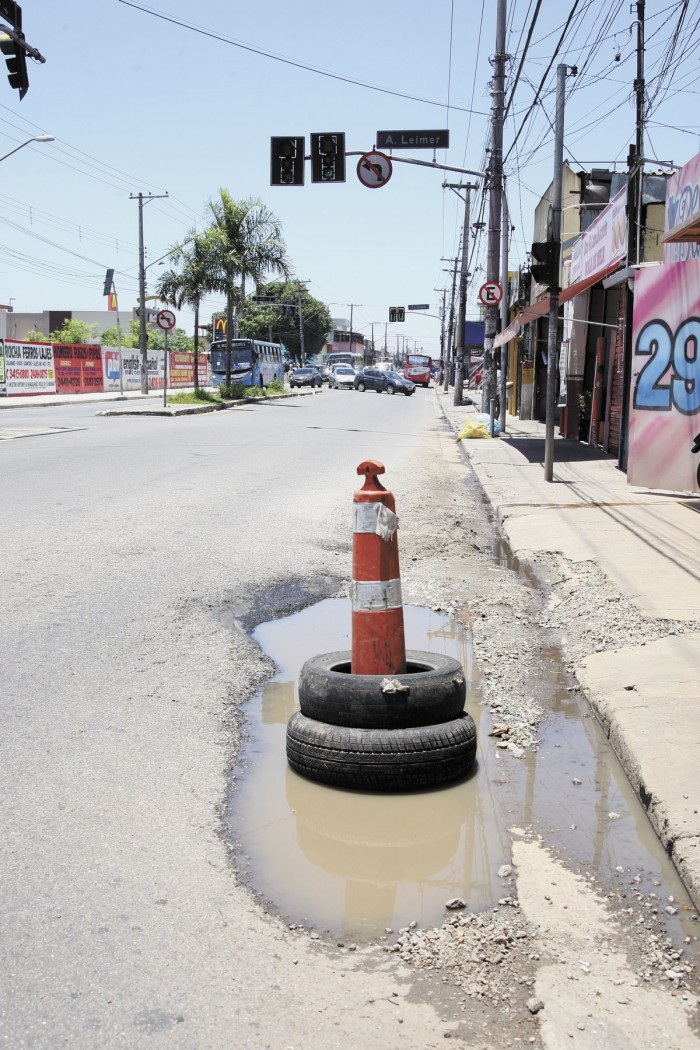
(245, 239)
(189, 283)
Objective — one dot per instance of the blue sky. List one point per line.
(137, 103)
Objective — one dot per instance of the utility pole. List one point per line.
(635, 179)
(143, 338)
(463, 277)
(301, 328)
(451, 325)
(495, 193)
(555, 237)
(442, 328)
(505, 230)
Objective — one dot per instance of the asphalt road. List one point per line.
(133, 551)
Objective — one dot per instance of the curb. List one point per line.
(196, 410)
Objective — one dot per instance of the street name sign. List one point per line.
(420, 306)
(413, 139)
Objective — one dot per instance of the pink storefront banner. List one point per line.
(664, 425)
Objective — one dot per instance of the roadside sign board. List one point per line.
(165, 319)
(420, 306)
(374, 170)
(413, 139)
(490, 294)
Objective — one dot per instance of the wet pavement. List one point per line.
(358, 864)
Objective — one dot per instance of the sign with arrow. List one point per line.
(374, 170)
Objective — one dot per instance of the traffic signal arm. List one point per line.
(15, 48)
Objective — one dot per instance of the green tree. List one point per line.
(74, 331)
(33, 336)
(131, 338)
(261, 321)
(244, 240)
(189, 281)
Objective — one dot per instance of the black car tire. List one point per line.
(390, 388)
(432, 690)
(361, 387)
(381, 759)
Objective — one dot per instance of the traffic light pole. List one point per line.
(553, 332)
(143, 336)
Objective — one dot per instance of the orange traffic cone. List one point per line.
(378, 643)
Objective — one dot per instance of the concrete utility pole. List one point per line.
(488, 389)
(505, 284)
(464, 274)
(635, 179)
(555, 238)
(143, 338)
(451, 325)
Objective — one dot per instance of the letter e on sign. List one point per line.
(490, 294)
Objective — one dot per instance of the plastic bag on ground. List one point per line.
(473, 428)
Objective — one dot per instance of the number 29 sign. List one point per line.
(664, 429)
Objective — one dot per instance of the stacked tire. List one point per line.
(374, 733)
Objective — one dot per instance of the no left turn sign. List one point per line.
(490, 294)
(374, 170)
(165, 319)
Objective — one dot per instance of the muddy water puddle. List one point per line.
(356, 864)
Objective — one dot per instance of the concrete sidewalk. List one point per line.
(648, 545)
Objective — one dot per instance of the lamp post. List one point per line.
(36, 138)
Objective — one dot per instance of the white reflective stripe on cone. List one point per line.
(375, 595)
(374, 517)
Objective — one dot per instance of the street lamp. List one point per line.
(37, 138)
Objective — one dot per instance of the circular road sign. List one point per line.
(374, 170)
(165, 319)
(490, 294)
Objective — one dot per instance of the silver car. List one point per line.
(342, 377)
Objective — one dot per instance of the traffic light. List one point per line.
(328, 157)
(109, 282)
(287, 161)
(392, 313)
(545, 264)
(400, 313)
(15, 57)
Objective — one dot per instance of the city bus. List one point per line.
(253, 363)
(346, 357)
(416, 367)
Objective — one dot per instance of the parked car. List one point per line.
(342, 377)
(381, 379)
(306, 376)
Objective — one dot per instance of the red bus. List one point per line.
(416, 367)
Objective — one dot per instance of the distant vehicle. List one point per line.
(306, 376)
(253, 363)
(379, 379)
(345, 357)
(416, 367)
(342, 376)
(324, 372)
(384, 365)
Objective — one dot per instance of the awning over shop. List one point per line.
(687, 232)
(541, 308)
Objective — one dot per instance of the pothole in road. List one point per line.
(356, 864)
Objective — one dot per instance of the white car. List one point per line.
(342, 376)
